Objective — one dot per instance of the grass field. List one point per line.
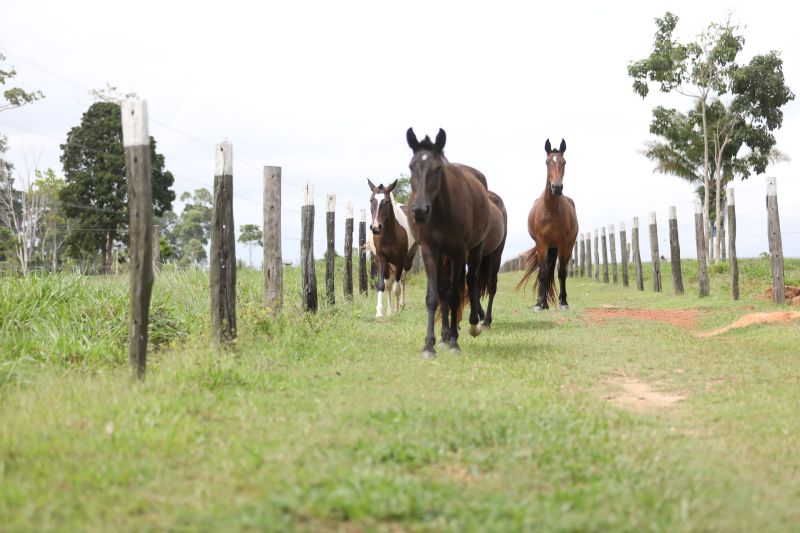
(332, 422)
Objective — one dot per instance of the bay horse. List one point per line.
(392, 245)
(553, 225)
(493, 253)
(449, 203)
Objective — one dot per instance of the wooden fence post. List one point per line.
(136, 143)
(573, 260)
(309, 272)
(604, 244)
(156, 248)
(700, 239)
(348, 251)
(222, 254)
(675, 251)
(734, 260)
(775, 243)
(273, 258)
(612, 248)
(582, 256)
(330, 254)
(637, 256)
(362, 253)
(588, 242)
(597, 256)
(623, 252)
(654, 253)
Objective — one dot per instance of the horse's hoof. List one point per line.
(474, 329)
(455, 350)
(485, 326)
(428, 354)
(564, 307)
(538, 308)
(442, 345)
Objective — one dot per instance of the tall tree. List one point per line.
(96, 191)
(53, 224)
(701, 70)
(736, 107)
(15, 96)
(21, 211)
(251, 235)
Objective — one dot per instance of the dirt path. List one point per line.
(638, 395)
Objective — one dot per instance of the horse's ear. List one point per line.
(547, 147)
(391, 187)
(411, 138)
(441, 138)
(563, 147)
(371, 185)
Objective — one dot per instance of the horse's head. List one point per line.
(380, 204)
(555, 167)
(427, 166)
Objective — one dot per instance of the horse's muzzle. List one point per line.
(421, 214)
(376, 230)
(557, 190)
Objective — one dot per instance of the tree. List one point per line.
(403, 189)
(707, 71)
(698, 69)
(53, 225)
(15, 96)
(251, 235)
(188, 234)
(96, 190)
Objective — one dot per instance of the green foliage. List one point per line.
(251, 235)
(15, 96)
(96, 190)
(403, 189)
(189, 234)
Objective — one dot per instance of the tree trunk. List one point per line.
(107, 254)
(706, 177)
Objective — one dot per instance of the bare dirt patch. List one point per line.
(792, 294)
(638, 395)
(682, 318)
(783, 317)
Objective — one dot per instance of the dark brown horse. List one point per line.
(553, 225)
(449, 205)
(493, 252)
(391, 244)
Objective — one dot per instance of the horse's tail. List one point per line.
(531, 266)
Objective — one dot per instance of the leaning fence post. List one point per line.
(597, 256)
(222, 254)
(675, 251)
(700, 240)
(734, 260)
(612, 249)
(637, 257)
(623, 252)
(654, 253)
(582, 256)
(588, 242)
(348, 251)
(309, 272)
(136, 142)
(775, 244)
(362, 253)
(604, 244)
(330, 254)
(273, 259)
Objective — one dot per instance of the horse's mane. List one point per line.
(426, 143)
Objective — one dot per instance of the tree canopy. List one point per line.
(96, 190)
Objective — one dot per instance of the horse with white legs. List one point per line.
(391, 244)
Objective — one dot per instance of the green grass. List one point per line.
(333, 422)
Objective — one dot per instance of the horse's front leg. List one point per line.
(396, 289)
(456, 297)
(563, 262)
(381, 265)
(445, 286)
(544, 277)
(473, 266)
(432, 261)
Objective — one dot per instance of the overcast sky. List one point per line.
(326, 90)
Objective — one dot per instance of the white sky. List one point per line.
(326, 90)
